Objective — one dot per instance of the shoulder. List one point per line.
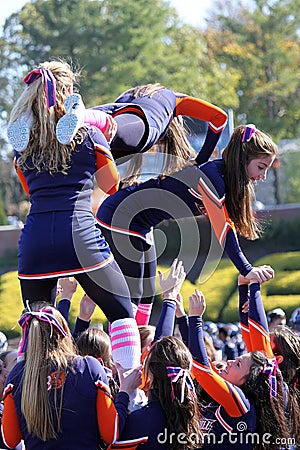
(212, 172)
(95, 368)
(95, 137)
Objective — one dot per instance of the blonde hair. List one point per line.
(44, 150)
(47, 348)
(175, 148)
(239, 189)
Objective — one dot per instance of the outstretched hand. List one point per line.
(67, 287)
(130, 379)
(197, 304)
(260, 274)
(86, 308)
(172, 284)
(110, 129)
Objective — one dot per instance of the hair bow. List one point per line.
(44, 315)
(248, 132)
(174, 373)
(270, 369)
(48, 81)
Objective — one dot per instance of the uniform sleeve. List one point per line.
(202, 110)
(243, 297)
(10, 429)
(107, 416)
(107, 174)
(112, 417)
(21, 177)
(165, 325)
(183, 324)
(226, 394)
(257, 320)
(64, 307)
(214, 203)
(80, 326)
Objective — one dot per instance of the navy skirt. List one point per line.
(61, 243)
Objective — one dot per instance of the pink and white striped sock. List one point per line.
(142, 316)
(126, 343)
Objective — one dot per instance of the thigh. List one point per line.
(128, 251)
(149, 279)
(130, 134)
(107, 287)
(38, 290)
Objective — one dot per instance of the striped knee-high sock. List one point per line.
(126, 343)
(142, 316)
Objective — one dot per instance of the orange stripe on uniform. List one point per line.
(260, 338)
(21, 178)
(216, 211)
(107, 175)
(107, 416)
(246, 337)
(220, 390)
(202, 110)
(11, 431)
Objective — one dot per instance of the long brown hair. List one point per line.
(181, 417)
(175, 149)
(47, 348)
(269, 411)
(44, 150)
(287, 344)
(239, 189)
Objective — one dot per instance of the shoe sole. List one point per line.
(68, 125)
(66, 128)
(18, 135)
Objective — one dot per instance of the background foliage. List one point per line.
(220, 291)
(246, 58)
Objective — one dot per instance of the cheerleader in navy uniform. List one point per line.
(60, 237)
(142, 116)
(51, 400)
(283, 346)
(243, 405)
(222, 189)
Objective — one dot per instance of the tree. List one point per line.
(263, 44)
(3, 218)
(119, 44)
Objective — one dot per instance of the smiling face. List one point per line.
(258, 167)
(236, 371)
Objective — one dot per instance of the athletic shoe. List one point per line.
(18, 132)
(69, 124)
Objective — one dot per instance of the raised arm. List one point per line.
(226, 394)
(253, 319)
(170, 288)
(202, 110)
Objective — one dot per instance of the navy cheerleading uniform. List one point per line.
(81, 407)
(60, 237)
(131, 213)
(144, 120)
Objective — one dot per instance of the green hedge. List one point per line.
(220, 291)
(11, 305)
(283, 291)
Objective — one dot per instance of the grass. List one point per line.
(219, 289)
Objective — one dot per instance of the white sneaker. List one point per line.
(18, 132)
(69, 124)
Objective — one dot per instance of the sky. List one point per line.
(191, 11)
